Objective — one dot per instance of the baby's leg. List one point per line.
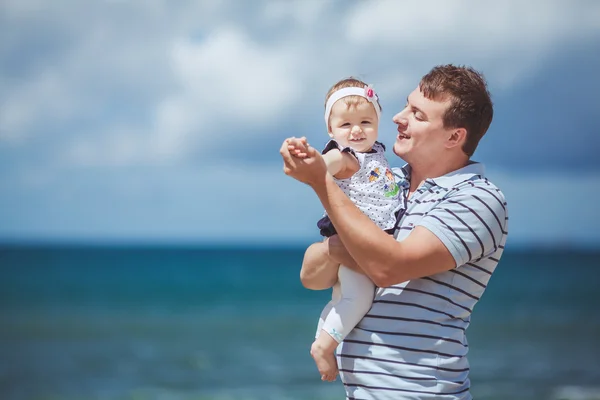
(356, 296)
(335, 297)
(327, 369)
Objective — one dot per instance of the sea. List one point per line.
(112, 322)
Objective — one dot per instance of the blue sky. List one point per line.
(161, 121)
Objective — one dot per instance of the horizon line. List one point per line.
(549, 246)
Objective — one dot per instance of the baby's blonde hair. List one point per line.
(351, 101)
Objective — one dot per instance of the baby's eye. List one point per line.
(366, 122)
(345, 125)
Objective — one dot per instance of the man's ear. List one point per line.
(457, 137)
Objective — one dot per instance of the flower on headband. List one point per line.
(370, 93)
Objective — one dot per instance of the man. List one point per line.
(450, 236)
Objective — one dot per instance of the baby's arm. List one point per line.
(342, 165)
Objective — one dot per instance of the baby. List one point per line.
(358, 164)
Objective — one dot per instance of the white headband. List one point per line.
(367, 92)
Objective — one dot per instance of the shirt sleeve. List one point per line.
(470, 222)
(332, 144)
(380, 147)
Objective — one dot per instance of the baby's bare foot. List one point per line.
(325, 360)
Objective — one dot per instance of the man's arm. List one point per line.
(466, 226)
(422, 253)
(321, 262)
(382, 258)
(319, 271)
(440, 242)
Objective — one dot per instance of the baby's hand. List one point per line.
(298, 147)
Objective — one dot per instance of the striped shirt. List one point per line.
(412, 343)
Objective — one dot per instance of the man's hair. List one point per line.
(470, 101)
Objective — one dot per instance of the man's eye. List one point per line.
(418, 116)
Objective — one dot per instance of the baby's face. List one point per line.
(355, 127)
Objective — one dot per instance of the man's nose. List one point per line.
(401, 117)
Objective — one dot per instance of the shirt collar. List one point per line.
(452, 178)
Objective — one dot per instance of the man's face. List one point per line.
(421, 133)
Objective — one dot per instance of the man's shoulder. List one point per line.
(483, 200)
(479, 185)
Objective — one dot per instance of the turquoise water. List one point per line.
(193, 323)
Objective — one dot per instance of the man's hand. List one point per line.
(311, 169)
(298, 147)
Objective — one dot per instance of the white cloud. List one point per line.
(236, 76)
(227, 81)
(120, 147)
(223, 83)
(45, 97)
(508, 40)
(193, 73)
(304, 13)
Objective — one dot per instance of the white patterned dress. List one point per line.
(372, 188)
